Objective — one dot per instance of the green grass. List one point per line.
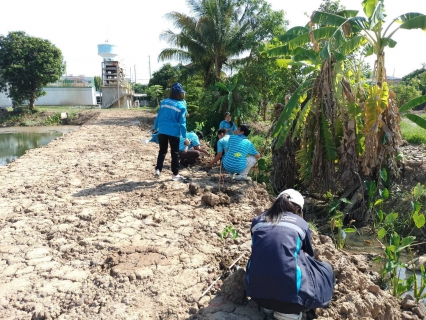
(412, 132)
(48, 115)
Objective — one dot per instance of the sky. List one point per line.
(133, 26)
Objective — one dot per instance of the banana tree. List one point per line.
(314, 112)
(231, 98)
(335, 109)
(381, 117)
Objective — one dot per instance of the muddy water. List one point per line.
(15, 141)
(358, 242)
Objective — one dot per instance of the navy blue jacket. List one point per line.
(282, 265)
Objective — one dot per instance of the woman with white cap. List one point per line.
(282, 275)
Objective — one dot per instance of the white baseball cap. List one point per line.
(293, 196)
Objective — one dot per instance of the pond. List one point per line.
(14, 141)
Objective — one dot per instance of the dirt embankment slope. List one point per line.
(86, 232)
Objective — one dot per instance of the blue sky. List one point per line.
(77, 27)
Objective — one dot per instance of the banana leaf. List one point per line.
(292, 33)
(347, 13)
(412, 103)
(289, 114)
(352, 45)
(418, 22)
(417, 120)
(301, 120)
(325, 18)
(369, 7)
(319, 34)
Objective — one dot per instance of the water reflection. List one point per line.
(14, 145)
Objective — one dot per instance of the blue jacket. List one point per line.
(171, 118)
(282, 265)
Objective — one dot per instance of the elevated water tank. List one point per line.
(107, 51)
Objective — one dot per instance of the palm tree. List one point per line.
(219, 31)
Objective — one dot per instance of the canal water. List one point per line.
(14, 141)
(358, 242)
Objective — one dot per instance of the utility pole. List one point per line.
(134, 67)
(149, 63)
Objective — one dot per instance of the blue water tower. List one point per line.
(107, 51)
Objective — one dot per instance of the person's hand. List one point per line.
(187, 142)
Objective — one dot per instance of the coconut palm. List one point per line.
(219, 31)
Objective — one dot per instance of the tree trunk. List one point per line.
(31, 105)
(284, 169)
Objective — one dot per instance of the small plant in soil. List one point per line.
(228, 231)
(395, 245)
(336, 222)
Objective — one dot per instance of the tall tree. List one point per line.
(97, 81)
(27, 64)
(219, 31)
(165, 76)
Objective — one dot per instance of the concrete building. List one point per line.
(117, 92)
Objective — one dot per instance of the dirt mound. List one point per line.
(88, 232)
(84, 117)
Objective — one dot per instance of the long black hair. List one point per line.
(230, 122)
(281, 205)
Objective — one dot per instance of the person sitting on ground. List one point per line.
(189, 154)
(171, 125)
(241, 154)
(228, 125)
(220, 147)
(282, 275)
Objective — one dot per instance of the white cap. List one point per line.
(293, 196)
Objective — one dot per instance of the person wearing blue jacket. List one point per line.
(282, 275)
(171, 125)
(228, 125)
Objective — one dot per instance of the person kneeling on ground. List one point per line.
(189, 154)
(282, 275)
(241, 154)
(220, 147)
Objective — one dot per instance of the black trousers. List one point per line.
(189, 157)
(164, 140)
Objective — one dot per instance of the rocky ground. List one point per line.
(86, 232)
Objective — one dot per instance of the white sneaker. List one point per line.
(157, 173)
(287, 316)
(177, 177)
(241, 177)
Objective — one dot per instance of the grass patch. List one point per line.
(48, 115)
(412, 132)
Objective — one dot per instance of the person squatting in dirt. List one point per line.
(282, 275)
(240, 153)
(219, 147)
(171, 125)
(228, 125)
(190, 153)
